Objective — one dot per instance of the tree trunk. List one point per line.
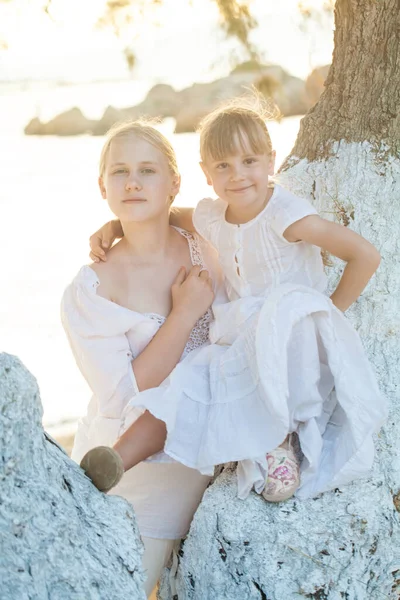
(346, 543)
(362, 96)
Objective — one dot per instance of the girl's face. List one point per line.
(137, 181)
(241, 179)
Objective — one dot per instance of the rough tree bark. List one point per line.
(344, 544)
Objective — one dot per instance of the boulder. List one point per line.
(287, 92)
(189, 105)
(201, 98)
(34, 127)
(110, 117)
(59, 537)
(161, 101)
(315, 83)
(344, 544)
(71, 122)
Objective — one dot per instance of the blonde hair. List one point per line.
(144, 130)
(239, 120)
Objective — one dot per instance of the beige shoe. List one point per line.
(103, 465)
(283, 473)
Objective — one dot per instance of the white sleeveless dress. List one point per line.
(283, 358)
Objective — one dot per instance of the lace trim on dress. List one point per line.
(199, 333)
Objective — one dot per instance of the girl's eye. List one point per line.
(222, 166)
(119, 171)
(147, 171)
(249, 161)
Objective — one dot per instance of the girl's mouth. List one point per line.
(240, 190)
(134, 200)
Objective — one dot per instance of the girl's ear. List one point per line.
(271, 166)
(102, 188)
(176, 185)
(204, 169)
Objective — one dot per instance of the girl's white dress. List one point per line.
(104, 338)
(283, 358)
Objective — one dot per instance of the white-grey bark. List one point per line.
(60, 538)
(338, 546)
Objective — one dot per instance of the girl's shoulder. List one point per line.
(212, 207)
(99, 277)
(285, 208)
(80, 297)
(208, 212)
(286, 200)
(88, 277)
(86, 312)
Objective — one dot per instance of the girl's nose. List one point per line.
(237, 175)
(133, 184)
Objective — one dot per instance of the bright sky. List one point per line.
(175, 43)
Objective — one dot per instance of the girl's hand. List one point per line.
(102, 240)
(192, 295)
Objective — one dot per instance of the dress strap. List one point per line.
(196, 255)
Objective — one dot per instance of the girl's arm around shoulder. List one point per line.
(212, 264)
(361, 256)
(182, 217)
(198, 219)
(102, 240)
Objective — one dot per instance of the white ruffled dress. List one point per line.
(283, 358)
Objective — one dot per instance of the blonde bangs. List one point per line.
(226, 131)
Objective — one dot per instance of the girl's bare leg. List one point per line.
(105, 466)
(145, 437)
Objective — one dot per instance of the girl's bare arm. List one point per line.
(102, 240)
(182, 217)
(191, 297)
(362, 258)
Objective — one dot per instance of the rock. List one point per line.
(59, 537)
(110, 117)
(189, 105)
(340, 545)
(34, 127)
(291, 98)
(71, 122)
(315, 84)
(161, 101)
(287, 92)
(201, 98)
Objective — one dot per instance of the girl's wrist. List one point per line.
(337, 304)
(183, 319)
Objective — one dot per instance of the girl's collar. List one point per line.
(256, 218)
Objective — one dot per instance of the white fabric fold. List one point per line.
(294, 363)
